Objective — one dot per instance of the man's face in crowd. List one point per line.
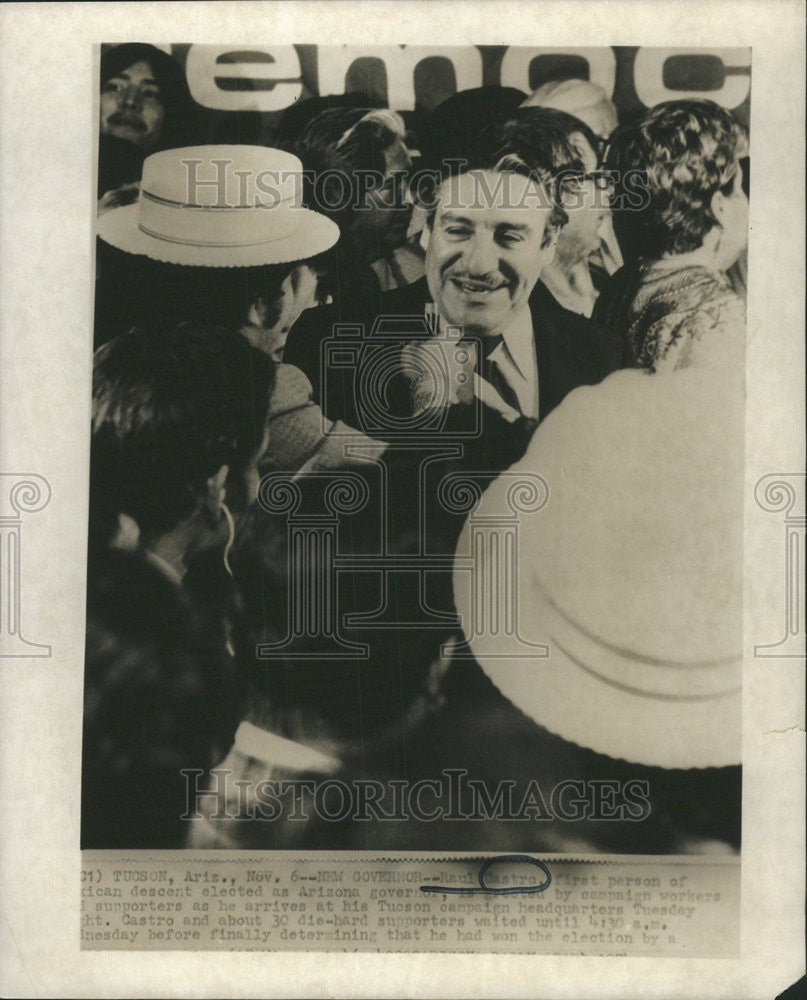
(131, 108)
(587, 208)
(268, 326)
(382, 222)
(485, 250)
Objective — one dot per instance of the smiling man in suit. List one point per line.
(491, 232)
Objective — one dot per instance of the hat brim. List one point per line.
(626, 564)
(314, 234)
(575, 701)
(563, 696)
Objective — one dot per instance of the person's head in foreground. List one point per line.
(489, 235)
(252, 264)
(360, 166)
(680, 164)
(564, 149)
(629, 569)
(177, 427)
(581, 98)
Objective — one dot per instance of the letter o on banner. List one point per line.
(601, 61)
(725, 67)
(277, 68)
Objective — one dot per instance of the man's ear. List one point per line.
(216, 490)
(425, 237)
(718, 206)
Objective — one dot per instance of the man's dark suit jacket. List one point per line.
(571, 350)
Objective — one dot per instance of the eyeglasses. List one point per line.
(603, 179)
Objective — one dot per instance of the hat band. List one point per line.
(211, 226)
(212, 244)
(629, 671)
(159, 199)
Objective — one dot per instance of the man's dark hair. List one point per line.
(169, 408)
(181, 125)
(297, 117)
(536, 143)
(448, 133)
(152, 295)
(676, 158)
(542, 137)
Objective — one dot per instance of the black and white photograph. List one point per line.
(417, 451)
(412, 562)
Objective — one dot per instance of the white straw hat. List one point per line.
(631, 574)
(220, 206)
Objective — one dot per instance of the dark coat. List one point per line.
(571, 350)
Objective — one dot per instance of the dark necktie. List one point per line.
(491, 373)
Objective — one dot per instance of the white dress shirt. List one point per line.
(514, 361)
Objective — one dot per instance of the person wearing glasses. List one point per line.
(686, 217)
(567, 148)
(589, 103)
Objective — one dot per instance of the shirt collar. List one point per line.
(517, 339)
(518, 336)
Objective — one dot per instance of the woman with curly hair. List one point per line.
(683, 208)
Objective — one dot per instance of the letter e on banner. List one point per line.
(277, 69)
(720, 75)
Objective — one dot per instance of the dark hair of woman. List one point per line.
(669, 165)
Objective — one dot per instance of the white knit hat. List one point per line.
(220, 206)
(581, 98)
(631, 574)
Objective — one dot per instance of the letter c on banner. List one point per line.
(735, 85)
(278, 67)
(601, 61)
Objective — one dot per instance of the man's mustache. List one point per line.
(485, 283)
(127, 118)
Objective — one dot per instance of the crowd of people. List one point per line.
(328, 373)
